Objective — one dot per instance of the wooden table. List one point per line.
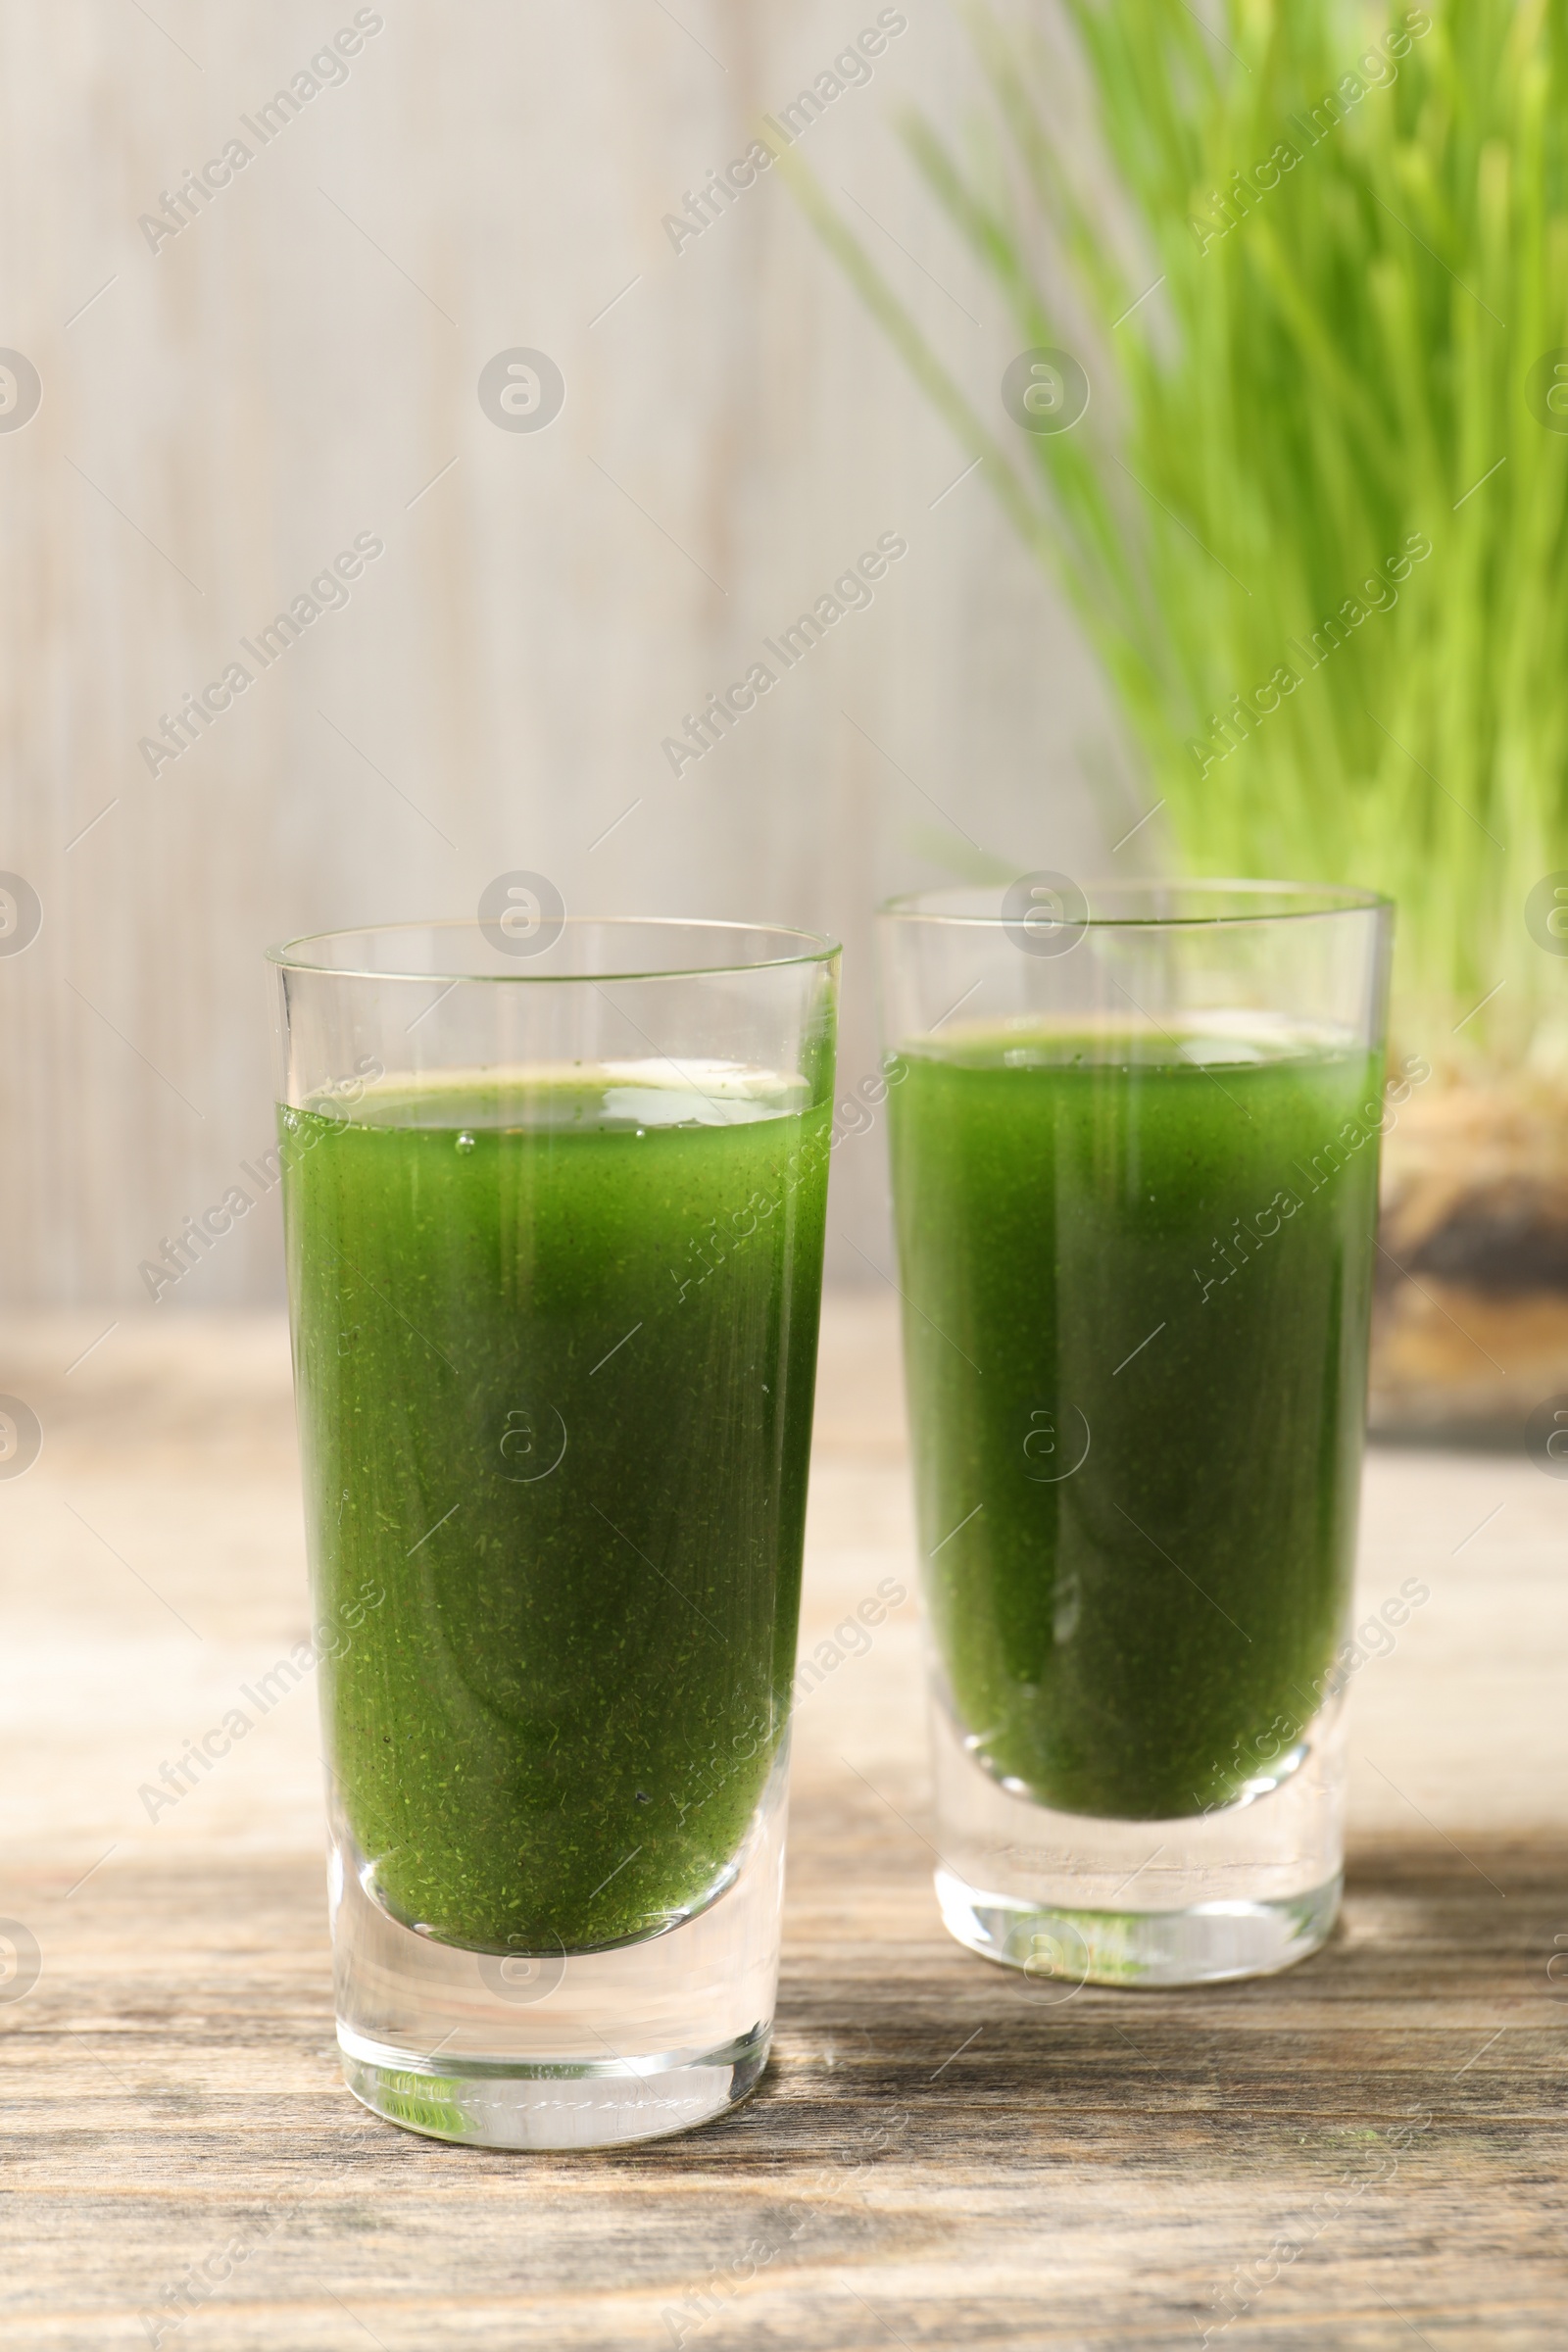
(1368, 2151)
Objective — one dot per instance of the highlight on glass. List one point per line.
(1135, 1138)
(553, 1201)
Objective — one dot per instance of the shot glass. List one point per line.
(554, 1197)
(1135, 1144)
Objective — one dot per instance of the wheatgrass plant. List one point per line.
(1315, 264)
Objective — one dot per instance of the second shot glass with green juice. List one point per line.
(1135, 1169)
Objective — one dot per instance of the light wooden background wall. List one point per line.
(218, 419)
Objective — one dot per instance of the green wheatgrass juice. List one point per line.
(1139, 1276)
(555, 1343)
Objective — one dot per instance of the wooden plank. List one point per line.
(941, 2152)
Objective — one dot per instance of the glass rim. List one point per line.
(815, 947)
(1293, 901)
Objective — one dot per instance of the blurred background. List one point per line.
(233, 386)
(413, 389)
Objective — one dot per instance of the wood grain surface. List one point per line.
(1365, 2152)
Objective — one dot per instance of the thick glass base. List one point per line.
(1241, 1892)
(565, 2050)
(1204, 1945)
(511, 2105)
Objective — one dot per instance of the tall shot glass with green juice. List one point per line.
(555, 1261)
(1136, 1191)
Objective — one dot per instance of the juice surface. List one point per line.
(1139, 1274)
(563, 1432)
